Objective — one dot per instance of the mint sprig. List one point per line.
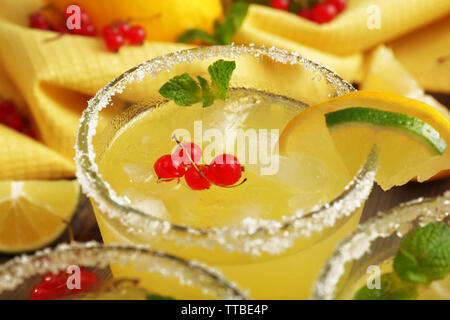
(423, 257)
(185, 91)
(223, 31)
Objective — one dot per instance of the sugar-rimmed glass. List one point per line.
(372, 246)
(163, 273)
(290, 249)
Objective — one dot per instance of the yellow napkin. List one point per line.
(56, 78)
(355, 29)
(426, 55)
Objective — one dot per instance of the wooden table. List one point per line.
(85, 227)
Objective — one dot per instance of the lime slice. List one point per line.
(32, 213)
(411, 136)
(389, 119)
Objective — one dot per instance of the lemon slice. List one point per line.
(405, 153)
(32, 213)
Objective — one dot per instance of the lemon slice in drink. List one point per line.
(411, 136)
(32, 213)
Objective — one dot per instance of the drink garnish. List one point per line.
(185, 91)
(402, 121)
(423, 257)
(223, 31)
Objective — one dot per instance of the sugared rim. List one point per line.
(252, 236)
(354, 246)
(94, 254)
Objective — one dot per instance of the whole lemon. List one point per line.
(164, 20)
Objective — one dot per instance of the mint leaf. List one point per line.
(207, 93)
(220, 72)
(197, 34)
(158, 297)
(223, 32)
(183, 90)
(424, 255)
(391, 288)
(234, 17)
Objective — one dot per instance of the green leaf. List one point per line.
(207, 93)
(220, 72)
(183, 90)
(197, 34)
(158, 297)
(234, 17)
(424, 255)
(391, 288)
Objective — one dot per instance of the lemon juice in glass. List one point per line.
(271, 229)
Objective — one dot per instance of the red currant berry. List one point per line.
(39, 21)
(114, 42)
(44, 292)
(124, 28)
(280, 4)
(136, 35)
(166, 168)
(6, 108)
(14, 121)
(85, 30)
(306, 13)
(225, 170)
(195, 180)
(88, 281)
(109, 30)
(62, 29)
(84, 16)
(54, 286)
(324, 12)
(54, 280)
(339, 4)
(193, 152)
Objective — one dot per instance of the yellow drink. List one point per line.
(300, 182)
(270, 234)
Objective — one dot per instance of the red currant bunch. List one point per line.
(39, 21)
(54, 286)
(86, 26)
(10, 117)
(116, 34)
(323, 12)
(224, 171)
(280, 4)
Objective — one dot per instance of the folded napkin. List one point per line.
(55, 77)
(426, 55)
(355, 29)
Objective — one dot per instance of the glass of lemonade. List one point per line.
(269, 234)
(370, 250)
(148, 272)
